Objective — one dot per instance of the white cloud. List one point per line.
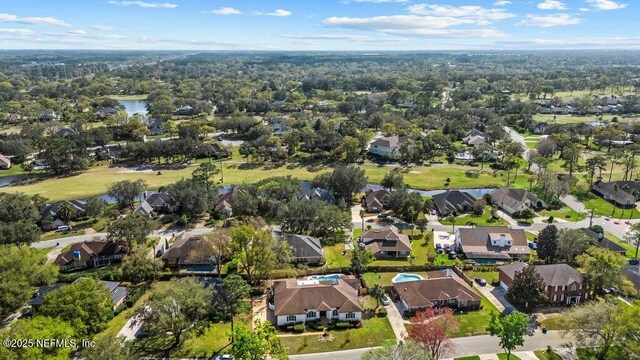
(18, 32)
(413, 25)
(470, 12)
(77, 32)
(226, 11)
(549, 20)
(552, 5)
(378, 1)
(102, 27)
(584, 9)
(278, 13)
(347, 37)
(574, 43)
(606, 4)
(33, 20)
(144, 4)
(501, 3)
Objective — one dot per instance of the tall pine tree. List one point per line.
(548, 244)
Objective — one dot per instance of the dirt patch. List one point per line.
(89, 231)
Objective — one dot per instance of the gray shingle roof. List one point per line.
(552, 274)
(452, 201)
(304, 246)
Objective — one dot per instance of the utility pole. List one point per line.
(591, 218)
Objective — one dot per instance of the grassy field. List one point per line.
(565, 213)
(480, 220)
(553, 323)
(503, 356)
(129, 97)
(570, 119)
(532, 141)
(373, 333)
(475, 322)
(544, 355)
(472, 357)
(334, 256)
(631, 249)
(490, 276)
(602, 207)
(95, 180)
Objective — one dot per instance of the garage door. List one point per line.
(504, 286)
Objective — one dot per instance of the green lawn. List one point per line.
(480, 220)
(532, 141)
(602, 207)
(475, 322)
(490, 276)
(43, 252)
(129, 97)
(544, 355)
(553, 323)
(565, 213)
(631, 250)
(373, 332)
(570, 119)
(208, 344)
(472, 357)
(419, 250)
(334, 256)
(503, 356)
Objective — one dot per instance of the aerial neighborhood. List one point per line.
(374, 205)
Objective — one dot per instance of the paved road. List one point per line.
(520, 139)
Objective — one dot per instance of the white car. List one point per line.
(224, 357)
(385, 300)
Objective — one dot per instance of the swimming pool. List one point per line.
(402, 277)
(325, 277)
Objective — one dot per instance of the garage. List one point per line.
(504, 286)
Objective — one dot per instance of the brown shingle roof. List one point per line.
(476, 242)
(292, 297)
(552, 274)
(386, 239)
(513, 198)
(189, 247)
(422, 293)
(91, 249)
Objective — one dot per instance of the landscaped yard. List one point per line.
(373, 333)
(480, 220)
(631, 249)
(475, 322)
(384, 278)
(602, 207)
(544, 355)
(553, 323)
(334, 256)
(490, 276)
(472, 357)
(564, 213)
(503, 356)
(419, 250)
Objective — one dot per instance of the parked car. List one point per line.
(383, 216)
(64, 228)
(447, 248)
(439, 249)
(224, 357)
(480, 281)
(452, 255)
(533, 246)
(385, 300)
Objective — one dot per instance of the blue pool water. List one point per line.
(400, 278)
(325, 277)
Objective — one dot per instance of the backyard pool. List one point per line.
(325, 277)
(402, 277)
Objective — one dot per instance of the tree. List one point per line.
(95, 207)
(392, 351)
(350, 147)
(510, 329)
(628, 320)
(18, 214)
(219, 242)
(108, 347)
(64, 156)
(602, 268)
(205, 174)
(258, 344)
(633, 237)
(528, 290)
(180, 309)
(253, 250)
(571, 243)
(192, 196)
(126, 191)
(132, 229)
(67, 211)
(548, 244)
(140, 265)
(21, 269)
(232, 299)
(595, 324)
(344, 182)
(392, 180)
(377, 292)
(360, 259)
(38, 327)
(429, 329)
(595, 165)
(86, 305)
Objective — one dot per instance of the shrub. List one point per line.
(382, 312)
(550, 219)
(315, 326)
(299, 328)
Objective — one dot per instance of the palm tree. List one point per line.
(377, 292)
(67, 211)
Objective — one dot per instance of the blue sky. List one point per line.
(319, 24)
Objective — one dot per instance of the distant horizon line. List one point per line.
(335, 51)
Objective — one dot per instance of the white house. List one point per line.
(298, 301)
(387, 146)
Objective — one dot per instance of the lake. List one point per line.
(134, 106)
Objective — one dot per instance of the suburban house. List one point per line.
(376, 200)
(603, 242)
(439, 289)
(299, 301)
(279, 129)
(188, 251)
(489, 244)
(471, 133)
(64, 132)
(118, 293)
(564, 284)
(159, 202)
(53, 215)
(47, 115)
(475, 140)
(307, 192)
(155, 127)
(90, 254)
(621, 193)
(632, 273)
(513, 201)
(5, 162)
(224, 202)
(386, 242)
(105, 112)
(453, 202)
(539, 128)
(305, 249)
(387, 147)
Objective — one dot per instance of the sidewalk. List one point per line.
(523, 355)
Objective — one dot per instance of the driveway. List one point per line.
(496, 295)
(394, 315)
